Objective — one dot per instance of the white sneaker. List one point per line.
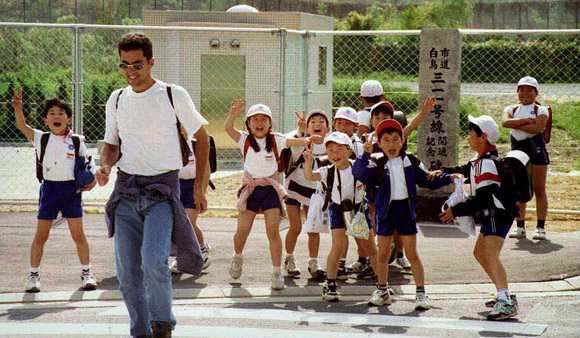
(355, 267)
(89, 282)
(316, 271)
(540, 234)
(290, 267)
(518, 233)
(33, 283)
(173, 267)
(277, 281)
(380, 298)
(422, 302)
(404, 262)
(236, 267)
(205, 255)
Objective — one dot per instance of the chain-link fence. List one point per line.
(287, 70)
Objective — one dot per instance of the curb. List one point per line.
(568, 284)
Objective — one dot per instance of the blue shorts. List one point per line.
(291, 201)
(336, 217)
(263, 197)
(494, 222)
(60, 196)
(186, 195)
(534, 147)
(398, 218)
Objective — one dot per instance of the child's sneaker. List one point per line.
(173, 267)
(518, 232)
(367, 273)
(422, 302)
(236, 267)
(205, 250)
(540, 234)
(330, 292)
(404, 262)
(341, 273)
(316, 271)
(503, 310)
(355, 267)
(277, 281)
(380, 298)
(491, 302)
(290, 267)
(89, 282)
(33, 283)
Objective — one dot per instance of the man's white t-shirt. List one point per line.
(261, 164)
(146, 124)
(524, 112)
(347, 181)
(59, 156)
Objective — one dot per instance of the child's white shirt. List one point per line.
(59, 156)
(397, 179)
(524, 112)
(188, 172)
(347, 181)
(146, 124)
(357, 144)
(261, 164)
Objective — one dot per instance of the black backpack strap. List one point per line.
(77, 144)
(117, 100)
(170, 96)
(40, 157)
(329, 185)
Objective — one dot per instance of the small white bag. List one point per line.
(358, 227)
(466, 223)
(317, 220)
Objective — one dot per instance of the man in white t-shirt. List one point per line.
(144, 212)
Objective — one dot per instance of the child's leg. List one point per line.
(77, 233)
(40, 238)
(410, 245)
(245, 222)
(382, 269)
(479, 254)
(339, 241)
(294, 218)
(272, 218)
(492, 246)
(369, 247)
(313, 244)
(540, 173)
(398, 243)
(192, 215)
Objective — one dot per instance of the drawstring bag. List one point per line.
(465, 223)
(358, 227)
(317, 219)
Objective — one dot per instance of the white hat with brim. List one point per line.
(338, 138)
(346, 113)
(259, 109)
(487, 125)
(529, 81)
(371, 88)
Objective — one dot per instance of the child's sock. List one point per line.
(504, 294)
(362, 260)
(86, 267)
(400, 254)
(521, 224)
(238, 255)
(330, 281)
(541, 223)
(276, 270)
(34, 271)
(289, 256)
(342, 263)
(420, 289)
(202, 246)
(383, 287)
(315, 260)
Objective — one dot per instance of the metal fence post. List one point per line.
(306, 71)
(282, 85)
(77, 79)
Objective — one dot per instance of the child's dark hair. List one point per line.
(389, 131)
(254, 143)
(49, 103)
(476, 130)
(372, 100)
(136, 41)
(382, 109)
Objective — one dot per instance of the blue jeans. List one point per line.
(142, 246)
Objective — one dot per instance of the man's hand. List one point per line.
(102, 175)
(199, 198)
(446, 216)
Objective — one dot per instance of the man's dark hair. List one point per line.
(389, 131)
(48, 104)
(371, 100)
(136, 41)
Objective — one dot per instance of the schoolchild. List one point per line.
(300, 191)
(489, 207)
(187, 176)
(371, 93)
(261, 189)
(58, 191)
(346, 195)
(346, 121)
(395, 177)
(527, 121)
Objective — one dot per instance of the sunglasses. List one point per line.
(125, 66)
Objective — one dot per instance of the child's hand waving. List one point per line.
(236, 108)
(17, 100)
(307, 153)
(301, 121)
(427, 105)
(368, 145)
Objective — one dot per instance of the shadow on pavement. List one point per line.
(537, 247)
(38, 311)
(442, 232)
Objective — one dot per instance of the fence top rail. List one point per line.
(277, 30)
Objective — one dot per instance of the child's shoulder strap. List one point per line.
(43, 143)
(76, 143)
(246, 146)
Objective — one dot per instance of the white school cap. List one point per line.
(259, 109)
(339, 138)
(487, 125)
(529, 81)
(346, 113)
(242, 9)
(371, 88)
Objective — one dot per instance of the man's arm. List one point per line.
(201, 165)
(109, 156)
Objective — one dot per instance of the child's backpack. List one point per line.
(515, 172)
(40, 156)
(547, 134)
(279, 159)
